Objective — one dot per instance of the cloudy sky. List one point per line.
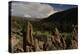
(36, 10)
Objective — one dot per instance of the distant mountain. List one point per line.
(63, 20)
(68, 16)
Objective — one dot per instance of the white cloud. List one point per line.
(34, 10)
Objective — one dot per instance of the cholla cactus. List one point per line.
(58, 40)
(74, 34)
(74, 39)
(57, 31)
(37, 45)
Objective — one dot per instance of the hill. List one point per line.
(63, 20)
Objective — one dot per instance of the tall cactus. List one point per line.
(29, 33)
